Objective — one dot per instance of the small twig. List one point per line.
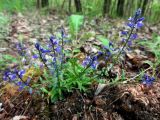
(80, 95)
(17, 96)
(136, 75)
(118, 98)
(27, 108)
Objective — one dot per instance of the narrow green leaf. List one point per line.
(75, 22)
(104, 42)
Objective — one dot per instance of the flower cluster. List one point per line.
(21, 49)
(48, 55)
(90, 62)
(135, 22)
(16, 77)
(107, 51)
(54, 44)
(147, 80)
(53, 50)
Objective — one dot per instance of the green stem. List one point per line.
(125, 44)
(42, 59)
(57, 72)
(116, 59)
(62, 52)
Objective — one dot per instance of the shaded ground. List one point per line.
(129, 101)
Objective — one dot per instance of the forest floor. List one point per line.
(129, 100)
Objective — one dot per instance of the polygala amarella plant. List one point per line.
(61, 75)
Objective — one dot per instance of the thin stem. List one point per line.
(42, 59)
(125, 43)
(57, 72)
(86, 67)
(62, 52)
(137, 75)
(122, 48)
(22, 80)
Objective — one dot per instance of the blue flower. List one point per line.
(35, 56)
(53, 40)
(123, 40)
(139, 25)
(86, 61)
(21, 49)
(129, 43)
(134, 36)
(37, 46)
(124, 32)
(12, 77)
(100, 53)
(6, 75)
(43, 57)
(19, 83)
(21, 73)
(130, 24)
(147, 80)
(44, 50)
(58, 49)
(91, 62)
(94, 65)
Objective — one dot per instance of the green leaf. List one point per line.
(123, 77)
(149, 63)
(9, 58)
(3, 19)
(75, 22)
(104, 41)
(44, 90)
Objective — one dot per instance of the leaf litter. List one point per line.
(122, 102)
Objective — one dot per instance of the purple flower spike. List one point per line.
(37, 46)
(136, 21)
(138, 12)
